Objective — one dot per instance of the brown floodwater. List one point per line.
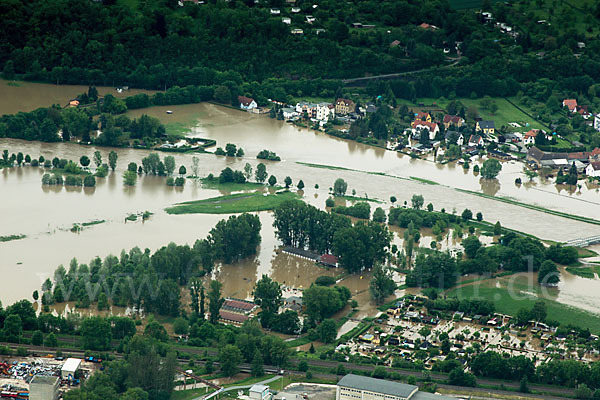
(46, 214)
(18, 96)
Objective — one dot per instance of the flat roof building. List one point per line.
(44, 387)
(356, 387)
(70, 367)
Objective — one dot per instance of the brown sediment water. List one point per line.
(46, 214)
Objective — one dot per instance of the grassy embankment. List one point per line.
(533, 207)
(11, 237)
(525, 295)
(233, 203)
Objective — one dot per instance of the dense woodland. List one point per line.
(238, 44)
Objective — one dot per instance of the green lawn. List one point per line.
(466, 4)
(233, 203)
(507, 304)
(229, 186)
(584, 272)
(506, 112)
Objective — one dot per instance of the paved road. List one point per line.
(242, 387)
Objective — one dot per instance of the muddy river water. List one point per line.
(46, 214)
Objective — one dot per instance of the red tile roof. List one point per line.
(595, 165)
(233, 317)
(245, 100)
(571, 104)
(452, 119)
(329, 259)
(429, 125)
(422, 115)
(239, 304)
(532, 133)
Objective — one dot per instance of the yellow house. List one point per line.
(344, 106)
(487, 127)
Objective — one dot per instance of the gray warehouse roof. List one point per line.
(430, 396)
(377, 385)
(44, 380)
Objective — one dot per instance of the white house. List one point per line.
(288, 113)
(593, 169)
(597, 122)
(286, 20)
(432, 127)
(247, 103)
(530, 136)
(275, 11)
(475, 140)
(325, 111)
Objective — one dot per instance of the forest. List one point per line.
(239, 45)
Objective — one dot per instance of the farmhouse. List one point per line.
(247, 103)
(593, 169)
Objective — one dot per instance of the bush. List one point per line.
(325, 280)
(71, 180)
(179, 181)
(268, 155)
(35, 163)
(361, 209)
(329, 202)
(89, 181)
(170, 181)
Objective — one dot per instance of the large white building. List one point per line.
(44, 387)
(322, 112)
(70, 367)
(356, 387)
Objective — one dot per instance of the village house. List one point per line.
(296, 10)
(322, 112)
(297, 31)
(286, 20)
(344, 106)
(583, 111)
(423, 116)
(450, 136)
(530, 136)
(597, 122)
(453, 120)
(235, 311)
(487, 127)
(475, 140)
(560, 160)
(570, 104)
(593, 169)
(431, 127)
(288, 113)
(395, 43)
(247, 103)
(275, 11)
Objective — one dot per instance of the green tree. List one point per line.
(538, 311)
(327, 331)
(230, 357)
(230, 149)
(51, 340)
(490, 168)
(382, 285)
(300, 184)
(267, 294)
(169, 164)
(215, 301)
(223, 94)
(84, 161)
(467, 214)
(379, 215)
(548, 273)
(257, 364)
(272, 180)
(497, 229)
(288, 182)
(129, 178)
(339, 187)
(97, 158)
(13, 326)
(261, 173)
(417, 201)
(95, 333)
(37, 339)
(112, 160)
(471, 244)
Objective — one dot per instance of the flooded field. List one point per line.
(46, 214)
(18, 96)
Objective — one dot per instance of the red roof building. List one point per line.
(571, 104)
(329, 259)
